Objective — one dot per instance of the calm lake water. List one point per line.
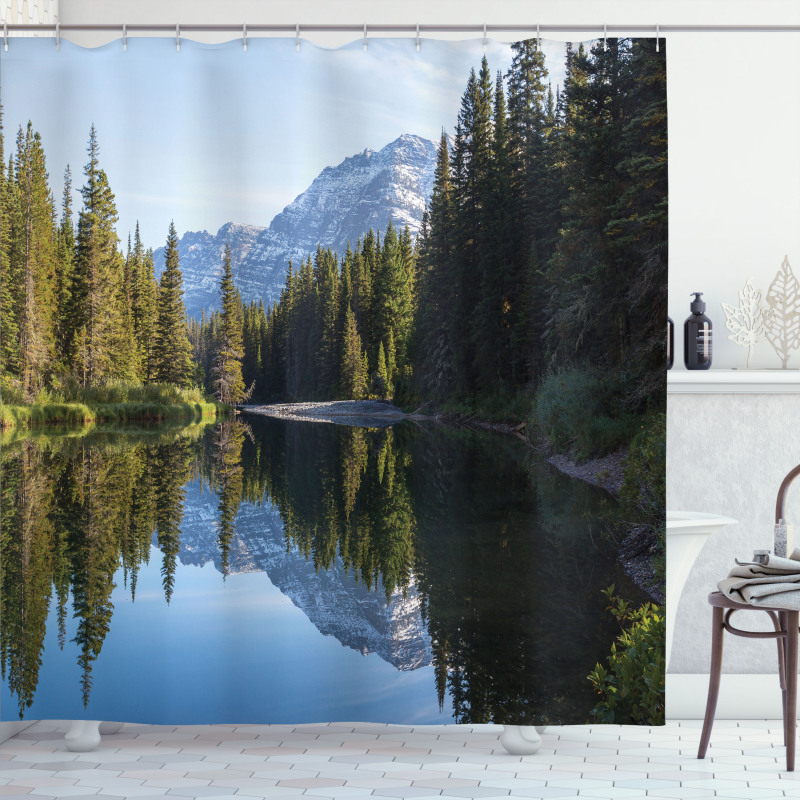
(261, 570)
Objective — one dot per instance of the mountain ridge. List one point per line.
(365, 190)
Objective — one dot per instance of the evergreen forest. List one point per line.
(542, 256)
(539, 270)
(76, 313)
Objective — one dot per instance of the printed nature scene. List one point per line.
(498, 306)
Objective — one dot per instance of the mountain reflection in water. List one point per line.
(454, 555)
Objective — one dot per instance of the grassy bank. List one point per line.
(496, 408)
(580, 412)
(116, 402)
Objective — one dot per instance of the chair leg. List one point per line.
(790, 717)
(717, 632)
(781, 642)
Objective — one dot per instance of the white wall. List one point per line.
(734, 174)
(22, 12)
(727, 455)
(734, 171)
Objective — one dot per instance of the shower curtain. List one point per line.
(319, 369)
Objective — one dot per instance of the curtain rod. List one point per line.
(293, 28)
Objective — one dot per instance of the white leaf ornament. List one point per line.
(747, 323)
(783, 325)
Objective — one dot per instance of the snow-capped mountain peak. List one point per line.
(366, 190)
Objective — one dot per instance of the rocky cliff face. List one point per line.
(365, 191)
(334, 602)
(201, 255)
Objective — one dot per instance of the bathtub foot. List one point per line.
(521, 740)
(83, 736)
(110, 727)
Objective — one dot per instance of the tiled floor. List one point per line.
(745, 760)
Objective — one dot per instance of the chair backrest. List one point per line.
(779, 505)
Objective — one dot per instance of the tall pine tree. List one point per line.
(227, 371)
(354, 367)
(173, 362)
(96, 276)
(66, 257)
(33, 246)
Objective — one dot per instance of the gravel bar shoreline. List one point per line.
(362, 413)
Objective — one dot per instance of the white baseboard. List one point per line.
(9, 729)
(754, 696)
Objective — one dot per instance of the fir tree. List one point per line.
(32, 232)
(252, 361)
(381, 383)
(638, 228)
(143, 305)
(326, 281)
(9, 279)
(96, 276)
(354, 368)
(65, 258)
(394, 293)
(173, 362)
(227, 371)
(126, 350)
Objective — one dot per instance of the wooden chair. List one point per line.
(785, 624)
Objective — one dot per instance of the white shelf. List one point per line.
(733, 381)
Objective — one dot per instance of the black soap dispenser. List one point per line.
(697, 336)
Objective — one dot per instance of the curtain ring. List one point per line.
(124, 37)
(297, 37)
(58, 36)
(605, 36)
(658, 43)
(244, 37)
(484, 37)
(418, 45)
(365, 37)
(177, 37)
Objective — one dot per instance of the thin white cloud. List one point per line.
(209, 136)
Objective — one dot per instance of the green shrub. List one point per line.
(644, 485)
(632, 688)
(11, 391)
(500, 407)
(581, 411)
(645, 481)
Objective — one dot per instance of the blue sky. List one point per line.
(213, 134)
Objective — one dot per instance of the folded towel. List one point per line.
(775, 584)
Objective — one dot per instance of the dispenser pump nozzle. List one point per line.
(697, 306)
